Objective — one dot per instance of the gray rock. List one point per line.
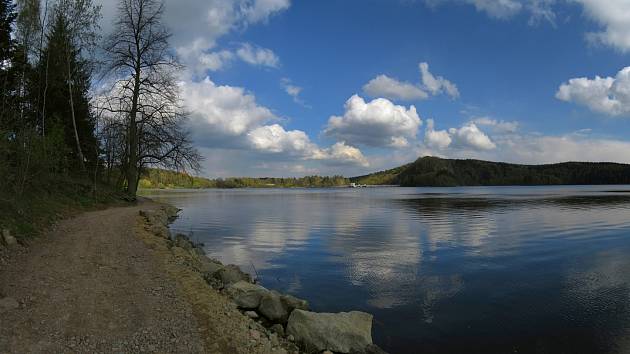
(273, 308)
(246, 295)
(343, 332)
(208, 266)
(182, 241)
(170, 212)
(292, 303)
(277, 329)
(231, 274)
(251, 314)
(7, 304)
(8, 239)
(160, 230)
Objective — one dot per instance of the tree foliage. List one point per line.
(433, 171)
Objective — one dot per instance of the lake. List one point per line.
(443, 270)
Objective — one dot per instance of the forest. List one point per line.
(159, 178)
(438, 172)
(82, 113)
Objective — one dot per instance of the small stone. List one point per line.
(7, 239)
(327, 352)
(291, 338)
(251, 314)
(278, 329)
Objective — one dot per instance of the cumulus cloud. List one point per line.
(229, 117)
(275, 139)
(340, 153)
(379, 123)
(614, 16)
(437, 84)
(436, 139)
(222, 110)
(469, 136)
(385, 86)
(608, 95)
(257, 55)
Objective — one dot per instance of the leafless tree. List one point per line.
(145, 93)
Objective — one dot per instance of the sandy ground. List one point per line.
(92, 285)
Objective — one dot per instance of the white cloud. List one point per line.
(275, 139)
(341, 153)
(255, 55)
(214, 61)
(229, 117)
(293, 91)
(497, 8)
(384, 86)
(606, 95)
(498, 126)
(377, 123)
(222, 110)
(570, 147)
(505, 9)
(437, 139)
(614, 15)
(469, 136)
(437, 85)
(387, 87)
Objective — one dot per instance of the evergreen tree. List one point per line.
(60, 52)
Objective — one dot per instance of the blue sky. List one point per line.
(283, 88)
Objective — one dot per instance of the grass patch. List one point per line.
(31, 213)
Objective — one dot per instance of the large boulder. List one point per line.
(231, 274)
(343, 332)
(246, 295)
(8, 239)
(292, 303)
(273, 308)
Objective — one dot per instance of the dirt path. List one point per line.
(91, 286)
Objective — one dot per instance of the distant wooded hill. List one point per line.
(424, 172)
(433, 171)
(159, 178)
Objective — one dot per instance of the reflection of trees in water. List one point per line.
(433, 205)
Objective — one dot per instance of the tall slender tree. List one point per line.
(81, 22)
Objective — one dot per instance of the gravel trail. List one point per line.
(91, 285)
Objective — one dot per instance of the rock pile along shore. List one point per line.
(281, 317)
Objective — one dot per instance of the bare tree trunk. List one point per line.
(74, 121)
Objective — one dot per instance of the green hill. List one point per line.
(433, 171)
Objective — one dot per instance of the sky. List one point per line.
(298, 87)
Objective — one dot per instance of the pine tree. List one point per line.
(60, 52)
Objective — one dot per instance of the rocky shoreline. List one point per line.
(280, 322)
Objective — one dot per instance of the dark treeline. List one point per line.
(432, 171)
(82, 113)
(159, 178)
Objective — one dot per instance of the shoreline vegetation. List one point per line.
(424, 172)
(277, 323)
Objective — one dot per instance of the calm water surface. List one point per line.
(444, 270)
